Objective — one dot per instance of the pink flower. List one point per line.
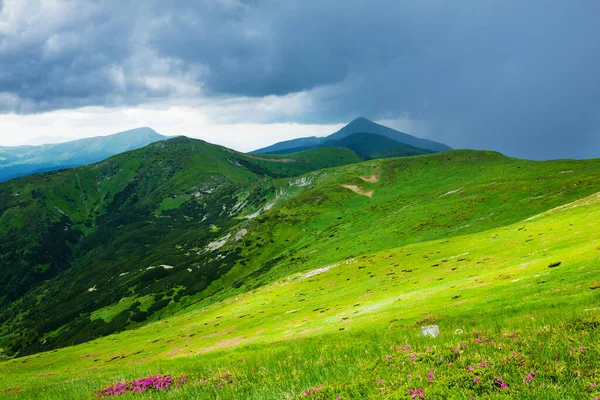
(483, 364)
(476, 380)
(504, 386)
(417, 393)
(528, 378)
(388, 357)
(380, 382)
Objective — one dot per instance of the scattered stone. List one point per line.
(555, 264)
(430, 330)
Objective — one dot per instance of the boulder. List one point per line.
(430, 330)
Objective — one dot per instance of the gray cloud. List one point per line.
(518, 77)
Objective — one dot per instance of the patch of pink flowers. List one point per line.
(310, 392)
(418, 393)
(147, 383)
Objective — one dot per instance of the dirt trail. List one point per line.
(358, 190)
(371, 179)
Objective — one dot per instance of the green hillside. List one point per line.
(274, 277)
(74, 241)
(520, 295)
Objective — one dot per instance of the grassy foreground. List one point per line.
(523, 295)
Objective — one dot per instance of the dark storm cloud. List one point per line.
(518, 77)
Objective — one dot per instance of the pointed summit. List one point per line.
(363, 125)
(358, 125)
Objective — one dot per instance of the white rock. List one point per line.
(430, 330)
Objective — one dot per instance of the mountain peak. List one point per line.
(360, 119)
(362, 124)
(141, 131)
(357, 125)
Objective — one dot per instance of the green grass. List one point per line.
(104, 225)
(336, 328)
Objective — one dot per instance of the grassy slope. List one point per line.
(66, 237)
(317, 221)
(337, 328)
(414, 199)
(391, 282)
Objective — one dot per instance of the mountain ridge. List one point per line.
(367, 145)
(358, 125)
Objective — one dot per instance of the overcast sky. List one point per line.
(520, 77)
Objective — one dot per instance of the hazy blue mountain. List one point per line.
(286, 145)
(367, 145)
(25, 160)
(48, 139)
(359, 125)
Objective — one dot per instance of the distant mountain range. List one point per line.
(380, 142)
(25, 160)
(366, 138)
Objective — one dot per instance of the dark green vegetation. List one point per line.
(313, 275)
(24, 160)
(409, 145)
(137, 227)
(366, 145)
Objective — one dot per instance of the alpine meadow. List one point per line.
(300, 199)
(308, 274)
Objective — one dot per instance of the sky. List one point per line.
(519, 77)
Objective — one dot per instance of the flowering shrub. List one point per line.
(156, 383)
